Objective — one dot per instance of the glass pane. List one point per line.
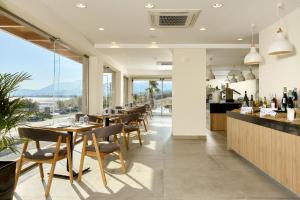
(107, 90)
(140, 93)
(54, 90)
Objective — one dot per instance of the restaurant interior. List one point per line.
(192, 100)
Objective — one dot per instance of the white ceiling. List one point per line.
(127, 21)
(139, 58)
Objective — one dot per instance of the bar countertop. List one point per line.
(279, 123)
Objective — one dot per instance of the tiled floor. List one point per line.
(164, 169)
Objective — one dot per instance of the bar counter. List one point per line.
(218, 114)
(270, 143)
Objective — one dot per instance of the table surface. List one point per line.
(77, 128)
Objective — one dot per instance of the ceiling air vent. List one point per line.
(173, 18)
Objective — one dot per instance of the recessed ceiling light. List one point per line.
(240, 39)
(217, 5)
(101, 29)
(149, 5)
(202, 29)
(152, 29)
(81, 5)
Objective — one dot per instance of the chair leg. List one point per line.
(50, 178)
(19, 171)
(145, 125)
(146, 120)
(100, 160)
(139, 136)
(20, 163)
(69, 159)
(83, 152)
(125, 139)
(122, 161)
(37, 143)
(53, 166)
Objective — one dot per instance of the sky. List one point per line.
(18, 55)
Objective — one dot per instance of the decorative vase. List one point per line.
(7, 179)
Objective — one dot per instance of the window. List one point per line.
(54, 92)
(108, 88)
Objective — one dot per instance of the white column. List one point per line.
(95, 85)
(119, 90)
(85, 84)
(189, 93)
(130, 90)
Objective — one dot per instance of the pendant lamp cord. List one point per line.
(281, 23)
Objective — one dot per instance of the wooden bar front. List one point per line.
(277, 153)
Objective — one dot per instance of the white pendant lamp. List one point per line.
(233, 80)
(280, 45)
(250, 76)
(253, 57)
(241, 77)
(210, 75)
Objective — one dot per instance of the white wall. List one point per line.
(189, 92)
(278, 72)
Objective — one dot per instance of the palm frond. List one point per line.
(12, 111)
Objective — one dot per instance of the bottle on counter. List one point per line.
(265, 102)
(295, 97)
(246, 100)
(290, 103)
(274, 103)
(284, 102)
(251, 102)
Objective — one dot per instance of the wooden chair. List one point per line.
(100, 149)
(131, 124)
(92, 118)
(142, 119)
(148, 111)
(48, 155)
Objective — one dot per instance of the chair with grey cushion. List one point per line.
(131, 124)
(100, 149)
(48, 155)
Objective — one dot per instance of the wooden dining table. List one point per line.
(71, 130)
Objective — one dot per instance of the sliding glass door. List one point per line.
(156, 92)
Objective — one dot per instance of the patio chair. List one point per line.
(131, 124)
(100, 149)
(48, 155)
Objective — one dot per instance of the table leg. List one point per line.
(75, 174)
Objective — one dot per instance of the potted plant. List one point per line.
(12, 112)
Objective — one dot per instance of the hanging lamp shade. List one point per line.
(233, 80)
(253, 57)
(250, 76)
(280, 45)
(241, 77)
(210, 75)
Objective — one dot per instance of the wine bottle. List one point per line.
(284, 102)
(251, 103)
(265, 103)
(246, 99)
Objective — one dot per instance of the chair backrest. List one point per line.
(37, 134)
(130, 117)
(105, 131)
